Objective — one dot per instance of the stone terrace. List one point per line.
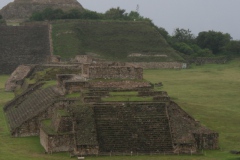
(23, 45)
(136, 127)
(25, 109)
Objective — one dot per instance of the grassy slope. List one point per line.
(210, 93)
(112, 40)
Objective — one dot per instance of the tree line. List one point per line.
(111, 14)
(205, 44)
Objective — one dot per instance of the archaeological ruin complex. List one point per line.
(74, 108)
(87, 105)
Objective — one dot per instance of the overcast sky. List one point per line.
(196, 15)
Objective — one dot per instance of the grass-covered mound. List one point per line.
(112, 40)
(209, 93)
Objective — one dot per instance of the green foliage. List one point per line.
(126, 98)
(163, 32)
(54, 14)
(183, 35)
(2, 21)
(123, 93)
(116, 14)
(111, 14)
(1, 16)
(215, 41)
(184, 48)
(49, 84)
(233, 47)
(73, 95)
(63, 113)
(133, 15)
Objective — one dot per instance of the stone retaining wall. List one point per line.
(23, 45)
(160, 65)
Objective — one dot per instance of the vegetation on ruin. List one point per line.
(46, 125)
(127, 98)
(116, 80)
(87, 38)
(111, 40)
(72, 95)
(62, 113)
(210, 93)
(111, 14)
(130, 93)
(49, 84)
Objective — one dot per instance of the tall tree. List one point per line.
(233, 47)
(163, 32)
(183, 35)
(115, 13)
(213, 40)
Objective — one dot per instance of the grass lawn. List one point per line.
(210, 93)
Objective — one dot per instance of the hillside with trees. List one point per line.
(205, 44)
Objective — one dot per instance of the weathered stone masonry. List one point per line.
(23, 45)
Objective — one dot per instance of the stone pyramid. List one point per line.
(22, 9)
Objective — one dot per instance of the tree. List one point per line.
(233, 47)
(163, 32)
(133, 15)
(212, 40)
(183, 35)
(183, 47)
(115, 14)
(72, 14)
(1, 16)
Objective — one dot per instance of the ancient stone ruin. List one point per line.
(93, 115)
(23, 45)
(23, 9)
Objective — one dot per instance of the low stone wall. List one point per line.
(209, 60)
(161, 65)
(119, 85)
(112, 70)
(57, 143)
(152, 93)
(74, 86)
(92, 99)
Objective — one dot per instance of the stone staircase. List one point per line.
(31, 106)
(142, 128)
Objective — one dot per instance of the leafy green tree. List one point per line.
(213, 40)
(87, 14)
(133, 15)
(47, 14)
(183, 47)
(233, 47)
(163, 32)
(116, 14)
(37, 16)
(183, 35)
(72, 14)
(1, 16)
(205, 53)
